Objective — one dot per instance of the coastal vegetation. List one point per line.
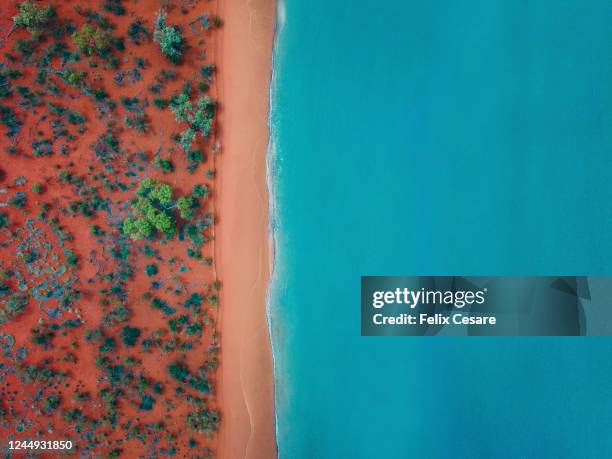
(199, 117)
(92, 39)
(33, 17)
(108, 289)
(169, 38)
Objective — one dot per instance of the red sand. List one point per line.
(246, 392)
(244, 383)
(83, 375)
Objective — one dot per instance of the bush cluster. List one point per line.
(170, 39)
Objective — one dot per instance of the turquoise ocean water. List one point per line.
(438, 138)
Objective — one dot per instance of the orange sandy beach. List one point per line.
(90, 283)
(246, 392)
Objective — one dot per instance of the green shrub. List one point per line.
(160, 103)
(181, 107)
(14, 306)
(196, 156)
(71, 258)
(207, 71)
(200, 191)
(152, 211)
(195, 300)
(185, 205)
(99, 94)
(108, 345)
(140, 62)
(200, 117)
(52, 403)
(178, 371)
(91, 40)
(4, 220)
(75, 118)
(114, 6)
(42, 147)
(203, 115)
(130, 335)
(8, 117)
(170, 39)
(204, 420)
(25, 47)
(74, 78)
(19, 200)
(42, 337)
(95, 230)
(146, 403)
(6, 77)
(138, 122)
(187, 138)
(32, 17)
(137, 229)
(165, 164)
(136, 31)
(65, 177)
(194, 329)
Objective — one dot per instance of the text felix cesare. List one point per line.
(414, 298)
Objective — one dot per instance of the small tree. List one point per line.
(19, 200)
(165, 164)
(33, 18)
(92, 40)
(181, 107)
(204, 420)
(185, 205)
(114, 6)
(130, 335)
(200, 191)
(137, 229)
(71, 258)
(136, 31)
(200, 117)
(152, 211)
(187, 138)
(160, 103)
(169, 38)
(52, 402)
(207, 71)
(203, 116)
(14, 306)
(178, 371)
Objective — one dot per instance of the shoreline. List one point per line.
(244, 246)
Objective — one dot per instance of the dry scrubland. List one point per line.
(108, 291)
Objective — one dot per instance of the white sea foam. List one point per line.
(272, 169)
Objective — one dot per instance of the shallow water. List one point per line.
(438, 138)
